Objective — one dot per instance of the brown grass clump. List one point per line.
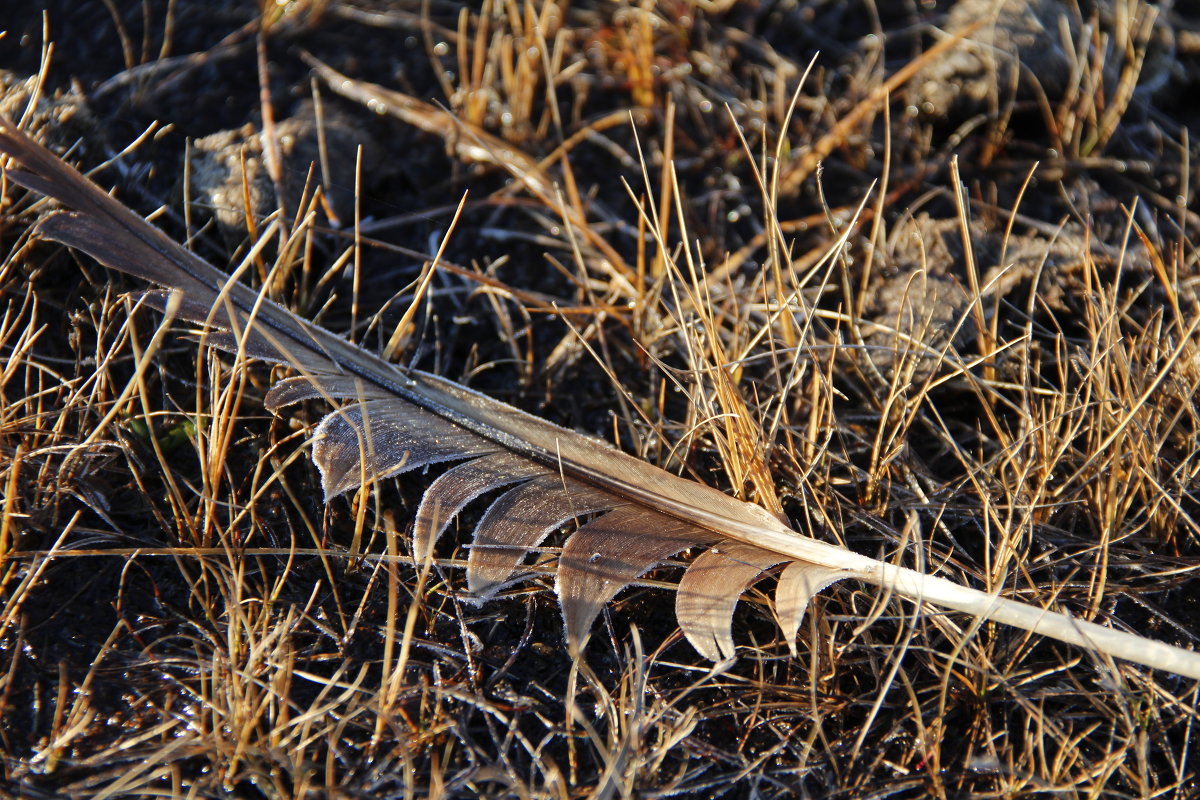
(941, 308)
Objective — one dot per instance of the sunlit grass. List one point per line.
(648, 251)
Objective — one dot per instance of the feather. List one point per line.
(395, 419)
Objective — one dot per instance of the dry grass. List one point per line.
(648, 253)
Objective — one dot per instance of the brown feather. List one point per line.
(399, 419)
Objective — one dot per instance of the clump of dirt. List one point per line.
(1029, 50)
(62, 120)
(230, 170)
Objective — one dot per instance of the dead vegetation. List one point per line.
(967, 341)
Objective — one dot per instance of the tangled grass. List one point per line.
(922, 301)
